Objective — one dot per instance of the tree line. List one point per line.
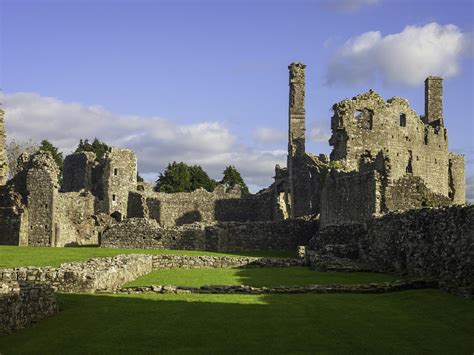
(177, 177)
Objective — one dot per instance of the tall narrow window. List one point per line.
(115, 171)
(114, 198)
(403, 120)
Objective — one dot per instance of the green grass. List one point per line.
(255, 277)
(413, 322)
(14, 256)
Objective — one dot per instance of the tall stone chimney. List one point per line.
(297, 176)
(434, 101)
(296, 131)
(3, 152)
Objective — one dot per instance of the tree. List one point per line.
(14, 149)
(232, 177)
(176, 178)
(200, 179)
(98, 147)
(47, 146)
(139, 178)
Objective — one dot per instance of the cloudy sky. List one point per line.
(206, 81)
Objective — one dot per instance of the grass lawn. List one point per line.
(422, 321)
(14, 256)
(255, 277)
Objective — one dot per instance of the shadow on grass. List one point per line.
(410, 321)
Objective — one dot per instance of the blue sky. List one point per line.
(207, 82)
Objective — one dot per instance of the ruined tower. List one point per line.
(3, 152)
(298, 177)
(296, 114)
(434, 101)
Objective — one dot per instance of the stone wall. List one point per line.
(222, 236)
(457, 178)
(182, 208)
(77, 171)
(3, 154)
(74, 223)
(117, 176)
(97, 274)
(436, 243)
(350, 197)
(22, 304)
(205, 261)
(368, 125)
(42, 186)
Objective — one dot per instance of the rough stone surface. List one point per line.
(395, 286)
(205, 261)
(22, 304)
(97, 274)
(433, 243)
(3, 154)
(222, 236)
(200, 206)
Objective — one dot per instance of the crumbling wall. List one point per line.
(431, 242)
(367, 125)
(13, 217)
(200, 206)
(77, 171)
(457, 178)
(74, 222)
(116, 175)
(96, 274)
(22, 304)
(42, 187)
(222, 236)
(410, 192)
(350, 197)
(3, 152)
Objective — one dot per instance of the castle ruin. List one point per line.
(385, 158)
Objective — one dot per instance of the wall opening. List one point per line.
(114, 198)
(365, 118)
(403, 120)
(115, 171)
(409, 169)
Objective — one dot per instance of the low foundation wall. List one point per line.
(221, 237)
(434, 243)
(98, 274)
(23, 303)
(197, 262)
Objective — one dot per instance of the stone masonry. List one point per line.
(22, 304)
(3, 153)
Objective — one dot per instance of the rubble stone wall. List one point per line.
(222, 236)
(205, 261)
(436, 243)
(22, 304)
(350, 198)
(97, 274)
(200, 206)
(4, 169)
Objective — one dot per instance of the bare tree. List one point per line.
(15, 149)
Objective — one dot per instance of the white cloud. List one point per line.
(404, 58)
(155, 140)
(319, 135)
(349, 5)
(269, 135)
